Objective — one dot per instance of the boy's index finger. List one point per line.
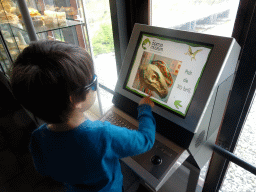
(148, 98)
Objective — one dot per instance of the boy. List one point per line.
(56, 82)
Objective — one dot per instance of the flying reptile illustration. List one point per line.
(191, 54)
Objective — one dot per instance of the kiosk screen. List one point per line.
(168, 69)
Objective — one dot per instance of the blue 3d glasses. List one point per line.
(92, 85)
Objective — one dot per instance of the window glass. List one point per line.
(237, 178)
(215, 17)
(101, 36)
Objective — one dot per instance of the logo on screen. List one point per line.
(157, 46)
(146, 43)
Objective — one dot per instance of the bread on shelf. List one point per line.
(54, 19)
(6, 17)
(38, 21)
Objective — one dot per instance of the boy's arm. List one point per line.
(127, 142)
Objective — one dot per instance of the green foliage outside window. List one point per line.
(102, 41)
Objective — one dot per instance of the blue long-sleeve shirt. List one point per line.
(87, 157)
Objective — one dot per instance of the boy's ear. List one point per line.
(75, 104)
(71, 100)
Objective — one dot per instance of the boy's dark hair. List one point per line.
(46, 74)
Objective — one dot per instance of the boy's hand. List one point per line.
(147, 100)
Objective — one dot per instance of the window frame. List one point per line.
(124, 14)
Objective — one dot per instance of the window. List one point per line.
(101, 36)
(205, 16)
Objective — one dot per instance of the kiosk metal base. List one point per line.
(185, 179)
(153, 175)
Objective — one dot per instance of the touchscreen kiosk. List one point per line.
(188, 76)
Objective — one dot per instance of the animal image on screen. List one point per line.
(156, 75)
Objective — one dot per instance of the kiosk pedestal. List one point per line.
(165, 168)
(184, 179)
(156, 166)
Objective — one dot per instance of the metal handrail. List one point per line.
(231, 157)
(106, 89)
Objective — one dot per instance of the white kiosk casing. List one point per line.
(195, 129)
